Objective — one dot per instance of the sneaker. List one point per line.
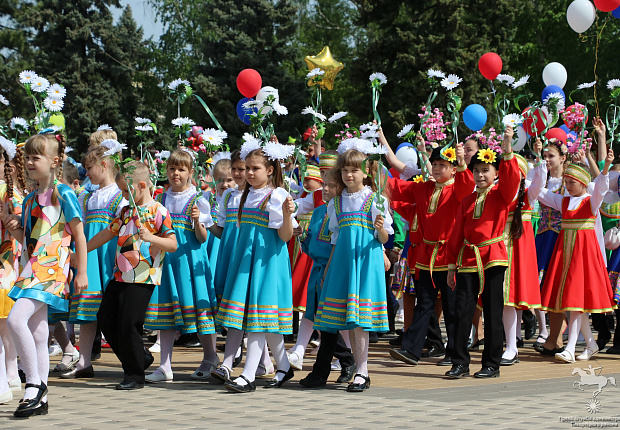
(296, 362)
(155, 348)
(54, 350)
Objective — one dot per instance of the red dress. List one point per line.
(577, 277)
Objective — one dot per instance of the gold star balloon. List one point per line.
(324, 61)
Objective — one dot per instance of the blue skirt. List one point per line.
(314, 291)
(545, 243)
(228, 243)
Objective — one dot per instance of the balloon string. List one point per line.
(598, 41)
(204, 105)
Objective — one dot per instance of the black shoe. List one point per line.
(520, 343)
(192, 341)
(346, 374)
(458, 371)
(221, 347)
(602, 342)
(182, 340)
(95, 357)
(477, 344)
(148, 359)
(129, 385)
(373, 337)
(87, 372)
(487, 372)
(433, 352)
(398, 340)
(312, 381)
(236, 388)
(509, 362)
(529, 320)
(551, 352)
(446, 361)
(613, 350)
(237, 360)
(275, 383)
(359, 387)
(22, 375)
(26, 407)
(42, 409)
(404, 355)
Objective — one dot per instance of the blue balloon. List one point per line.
(616, 13)
(475, 117)
(243, 113)
(552, 89)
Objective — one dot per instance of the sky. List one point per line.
(145, 17)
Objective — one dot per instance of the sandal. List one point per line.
(538, 342)
(236, 388)
(221, 374)
(75, 357)
(27, 407)
(359, 387)
(204, 375)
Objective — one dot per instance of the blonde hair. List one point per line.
(139, 173)
(222, 168)
(354, 158)
(99, 136)
(96, 155)
(181, 157)
(50, 146)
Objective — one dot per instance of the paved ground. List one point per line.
(536, 393)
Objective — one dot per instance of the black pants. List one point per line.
(332, 345)
(467, 286)
(121, 319)
(424, 313)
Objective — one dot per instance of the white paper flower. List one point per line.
(506, 79)
(378, 76)
(586, 85)
(27, 76)
(104, 127)
(315, 72)
(522, 81)
(39, 84)
(68, 149)
(3, 100)
(213, 136)
(372, 149)
(55, 128)
(162, 155)
(141, 120)
(555, 96)
(512, 120)
(222, 155)
(369, 126)
(310, 111)
(253, 106)
(432, 73)
(56, 91)
(280, 110)
(406, 129)
(113, 147)
(277, 151)
(145, 127)
(351, 143)
(181, 121)
(18, 123)
(250, 144)
(9, 147)
(370, 134)
(53, 105)
(614, 83)
(451, 82)
(335, 117)
(174, 84)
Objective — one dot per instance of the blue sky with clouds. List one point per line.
(145, 16)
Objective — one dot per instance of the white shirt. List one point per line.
(101, 197)
(305, 205)
(175, 203)
(352, 203)
(274, 205)
(233, 203)
(411, 170)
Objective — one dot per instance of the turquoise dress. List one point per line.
(353, 294)
(317, 244)
(185, 300)
(100, 262)
(228, 243)
(258, 295)
(213, 242)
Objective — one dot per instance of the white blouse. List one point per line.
(305, 205)
(101, 197)
(351, 202)
(411, 170)
(176, 201)
(233, 203)
(274, 205)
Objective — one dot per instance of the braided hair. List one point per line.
(275, 180)
(516, 228)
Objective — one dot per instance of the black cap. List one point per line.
(475, 160)
(436, 155)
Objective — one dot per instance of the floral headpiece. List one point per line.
(578, 173)
(484, 155)
(362, 145)
(559, 145)
(223, 155)
(493, 142)
(103, 127)
(272, 150)
(9, 147)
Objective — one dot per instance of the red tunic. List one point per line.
(577, 277)
(477, 241)
(521, 288)
(408, 212)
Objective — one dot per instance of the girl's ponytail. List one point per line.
(516, 228)
(244, 197)
(8, 178)
(18, 162)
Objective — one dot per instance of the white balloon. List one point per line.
(407, 154)
(581, 15)
(521, 139)
(265, 92)
(555, 74)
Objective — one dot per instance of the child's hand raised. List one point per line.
(145, 234)
(599, 126)
(538, 147)
(288, 207)
(507, 142)
(460, 154)
(579, 156)
(379, 223)
(610, 157)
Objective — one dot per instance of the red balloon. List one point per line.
(607, 5)
(249, 82)
(536, 119)
(490, 65)
(556, 133)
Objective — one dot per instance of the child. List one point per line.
(145, 234)
(477, 248)
(50, 221)
(258, 292)
(99, 208)
(185, 300)
(577, 280)
(354, 295)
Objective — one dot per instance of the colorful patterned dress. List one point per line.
(99, 209)
(354, 293)
(227, 219)
(46, 248)
(258, 292)
(10, 251)
(185, 300)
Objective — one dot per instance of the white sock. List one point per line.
(276, 343)
(256, 344)
(87, 337)
(574, 326)
(306, 327)
(360, 352)
(542, 323)
(233, 340)
(10, 353)
(510, 330)
(166, 344)
(587, 332)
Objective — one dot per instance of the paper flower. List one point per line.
(450, 154)
(405, 130)
(222, 155)
(27, 76)
(19, 124)
(3, 100)
(335, 117)
(418, 179)
(56, 91)
(506, 79)
(214, 137)
(9, 147)
(172, 86)
(181, 121)
(279, 109)
(522, 81)
(370, 134)
(487, 156)
(512, 120)
(451, 82)
(68, 149)
(369, 126)
(310, 111)
(613, 83)
(431, 73)
(39, 84)
(315, 72)
(379, 78)
(162, 155)
(556, 98)
(141, 120)
(253, 105)
(347, 144)
(104, 127)
(586, 85)
(277, 151)
(250, 144)
(113, 146)
(53, 105)
(145, 127)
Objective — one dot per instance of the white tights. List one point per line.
(579, 322)
(510, 330)
(359, 343)
(28, 326)
(256, 347)
(306, 327)
(9, 351)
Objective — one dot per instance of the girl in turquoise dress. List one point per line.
(185, 300)
(353, 296)
(257, 295)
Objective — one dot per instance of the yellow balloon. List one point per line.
(324, 61)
